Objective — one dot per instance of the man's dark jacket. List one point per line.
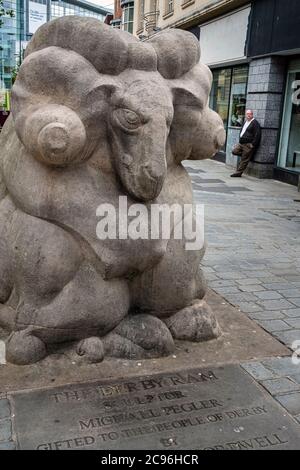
(252, 134)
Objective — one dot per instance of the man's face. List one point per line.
(249, 115)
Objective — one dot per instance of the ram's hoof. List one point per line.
(194, 323)
(91, 349)
(22, 348)
(139, 337)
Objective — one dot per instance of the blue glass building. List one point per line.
(16, 31)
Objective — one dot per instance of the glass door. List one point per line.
(220, 93)
(228, 99)
(237, 107)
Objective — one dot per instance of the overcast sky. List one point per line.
(104, 3)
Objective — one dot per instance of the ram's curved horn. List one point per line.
(101, 45)
(55, 107)
(177, 51)
(52, 74)
(54, 134)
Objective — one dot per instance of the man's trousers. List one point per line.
(245, 151)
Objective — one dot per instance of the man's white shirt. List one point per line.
(245, 127)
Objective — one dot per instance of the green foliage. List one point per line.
(15, 70)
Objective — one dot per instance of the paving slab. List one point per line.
(290, 293)
(282, 385)
(268, 315)
(207, 180)
(294, 323)
(288, 337)
(5, 429)
(8, 445)
(274, 325)
(216, 408)
(291, 401)
(4, 409)
(259, 371)
(269, 295)
(275, 304)
(293, 312)
(252, 288)
(296, 378)
(282, 366)
(217, 189)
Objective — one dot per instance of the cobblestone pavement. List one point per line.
(281, 378)
(253, 260)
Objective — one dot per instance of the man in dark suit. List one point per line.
(249, 141)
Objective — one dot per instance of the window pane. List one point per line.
(220, 93)
(131, 14)
(238, 96)
(293, 154)
(289, 155)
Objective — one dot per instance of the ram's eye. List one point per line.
(128, 119)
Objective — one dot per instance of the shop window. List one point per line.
(219, 98)
(293, 153)
(116, 24)
(228, 98)
(238, 96)
(127, 17)
(289, 153)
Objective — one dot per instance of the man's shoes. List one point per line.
(236, 175)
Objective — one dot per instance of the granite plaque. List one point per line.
(220, 408)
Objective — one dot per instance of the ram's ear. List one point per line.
(209, 137)
(95, 107)
(188, 108)
(186, 97)
(185, 123)
(99, 96)
(193, 88)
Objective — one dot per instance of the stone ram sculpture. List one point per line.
(97, 114)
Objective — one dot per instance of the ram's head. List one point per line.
(85, 86)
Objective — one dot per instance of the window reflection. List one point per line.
(238, 96)
(220, 93)
(127, 17)
(59, 8)
(293, 154)
(289, 154)
(228, 95)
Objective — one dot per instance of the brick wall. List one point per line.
(117, 10)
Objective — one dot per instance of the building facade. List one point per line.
(273, 48)
(16, 31)
(123, 15)
(117, 19)
(253, 51)
(76, 7)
